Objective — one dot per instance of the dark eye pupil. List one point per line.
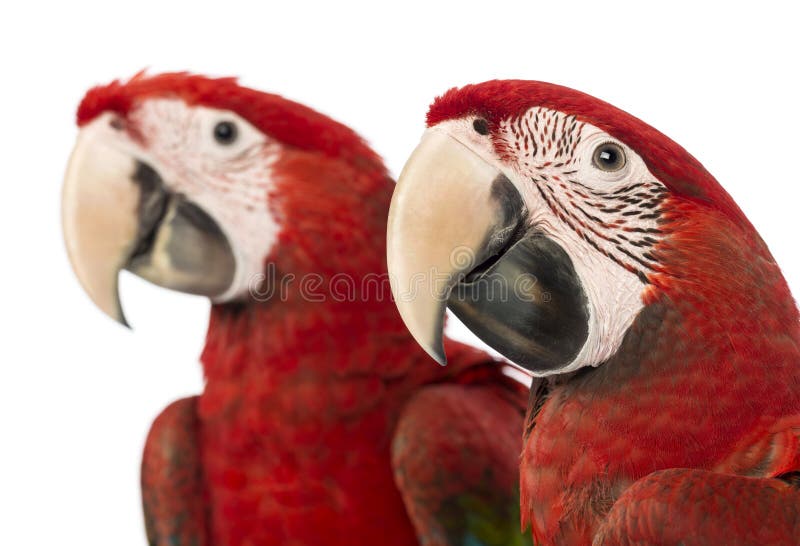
(225, 132)
(481, 126)
(609, 157)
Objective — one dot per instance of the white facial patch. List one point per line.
(230, 181)
(605, 219)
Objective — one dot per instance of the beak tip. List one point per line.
(437, 353)
(119, 316)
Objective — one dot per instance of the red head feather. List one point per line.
(331, 189)
(291, 123)
(496, 100)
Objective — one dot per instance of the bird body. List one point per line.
(673, 417)
(696, 384)
(319, 422)
(296, 438)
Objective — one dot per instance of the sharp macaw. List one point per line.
(663, 335)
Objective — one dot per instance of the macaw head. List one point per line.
(547, 220)
(196, 184)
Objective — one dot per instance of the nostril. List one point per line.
(117, 123)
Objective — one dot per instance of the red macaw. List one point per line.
(319, 423)
(665, 336)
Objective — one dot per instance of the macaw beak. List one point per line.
(117, 214)
(459, 236)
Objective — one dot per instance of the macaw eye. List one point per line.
(117, 123)
(225, 132)
(609, 157)
(481, 126)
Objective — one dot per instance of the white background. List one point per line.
(78, 392)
